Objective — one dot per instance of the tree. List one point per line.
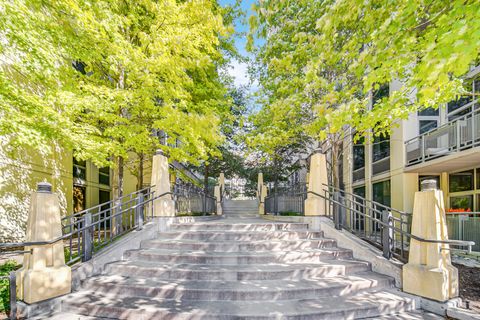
(328, 57)
(99, 77)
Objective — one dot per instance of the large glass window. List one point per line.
(79, 198)
(381, 93)
(358, 222)
(104, 176)
(359, 154)
(461, 203)
(461, 181)
(381, 193)
(427, 125)
(381, 147)
(79, 169)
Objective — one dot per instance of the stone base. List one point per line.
(315, 206)
(261, 209)
(432, 283)
(47, 283)
(164, 208)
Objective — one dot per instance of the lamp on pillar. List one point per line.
(44, 274)
(429, 272)
(317, 184)
(163, 206)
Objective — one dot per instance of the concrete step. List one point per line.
(240, 246)
(237, 258)
(362, 305)
(265, 227)
(272, 271)
(212, 290)
(244, 227)
(240, 236)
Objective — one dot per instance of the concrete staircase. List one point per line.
(240, 207)
(231, 269)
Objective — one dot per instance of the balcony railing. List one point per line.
(461, 133)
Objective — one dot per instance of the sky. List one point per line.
(239, 69)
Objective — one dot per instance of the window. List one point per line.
(428, 112)
(358, 222)
(358, 157)
(381, 195)
(104, 176)
(79, 169)
(461, 181)
(79, 198)
(427, 125)
(381, 147)
(381, 192)
(381, 93)
(461, 203)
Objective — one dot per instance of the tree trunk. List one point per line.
(118, 178)
(205, 178)
(141, 158)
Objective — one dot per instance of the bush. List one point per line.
(5, 269)
(289, 214)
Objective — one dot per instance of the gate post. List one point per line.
(163, 206)
(317, 181)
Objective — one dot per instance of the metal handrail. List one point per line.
(458, 243)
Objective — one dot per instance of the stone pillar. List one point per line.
(261, 199)
(218, 195)
(317, 179)
(44, 274)
(429, 272)
(259, 184)
(221, 181)
(163, 206)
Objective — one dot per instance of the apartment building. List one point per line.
(441, 144)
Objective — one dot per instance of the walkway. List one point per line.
(240, 267)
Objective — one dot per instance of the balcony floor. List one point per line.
(452, 162)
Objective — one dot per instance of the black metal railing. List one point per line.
(86, 232)
(286, 199)
(386, 228)
(380, 225)
(190, 199)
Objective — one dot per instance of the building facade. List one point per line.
(441, 144)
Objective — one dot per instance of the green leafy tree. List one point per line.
(99, 77)
(321, 61)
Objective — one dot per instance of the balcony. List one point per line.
(462, 132)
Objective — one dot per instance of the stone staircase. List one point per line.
(240, 207)
(232, 269)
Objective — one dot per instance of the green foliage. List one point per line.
(321, 60)
(289, 214)
(5, 270)
(99, 77)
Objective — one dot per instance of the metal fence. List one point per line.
(464, 226)
(87, 231)
(462, 132)
(190, 199)
(286, 199)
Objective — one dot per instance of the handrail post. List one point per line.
(12, 278)
(139, 211)
(87, 235)
(387, 234)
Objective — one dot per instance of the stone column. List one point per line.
(429, 272)
(261, 199)
(221, 181)
(217, 192)
(44, 274)
(163, 206)
(317, 179)
(259, 184)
